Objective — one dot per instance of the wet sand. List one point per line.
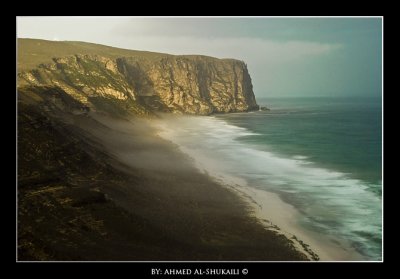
(96, 188)
(209, 220)
(271, 211)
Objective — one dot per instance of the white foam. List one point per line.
(299, 157)
(329, 199)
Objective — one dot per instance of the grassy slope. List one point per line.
(76, 203)
(62, 213)
(69, 193)
(32, 52)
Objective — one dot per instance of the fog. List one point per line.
(135, 143)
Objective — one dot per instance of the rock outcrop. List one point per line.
(139, 84)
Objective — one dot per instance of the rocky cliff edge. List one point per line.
(104, 78)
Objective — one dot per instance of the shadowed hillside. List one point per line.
(78, 111)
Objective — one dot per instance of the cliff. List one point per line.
(123, 81)
(79, 198)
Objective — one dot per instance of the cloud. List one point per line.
(240, 48)
(282, 55)
(227, 37)
(277, 66)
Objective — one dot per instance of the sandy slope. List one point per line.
(109, 189)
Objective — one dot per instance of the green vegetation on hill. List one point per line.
(146, 81)
(33, 52)
(63, 212)
(77, 200)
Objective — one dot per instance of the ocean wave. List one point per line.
(331, 201)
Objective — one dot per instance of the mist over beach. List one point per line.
(199, 139)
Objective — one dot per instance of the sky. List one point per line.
(286, 57)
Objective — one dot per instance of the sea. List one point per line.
(321, 155)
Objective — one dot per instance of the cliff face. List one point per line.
(78, 196)
(182, 84)
(195, 85)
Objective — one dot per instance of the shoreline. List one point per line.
(189, 192)
(272, 212)
(139, 196)
(129, 195)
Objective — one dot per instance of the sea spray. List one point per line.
(343, 206)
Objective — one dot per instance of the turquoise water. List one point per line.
(321, 155)
(329, 153)
(335, 133)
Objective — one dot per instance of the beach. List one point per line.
(265, 208)
(152, 198)
(208, 209)
(152, 141)
(195, 137)
(134, 196)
